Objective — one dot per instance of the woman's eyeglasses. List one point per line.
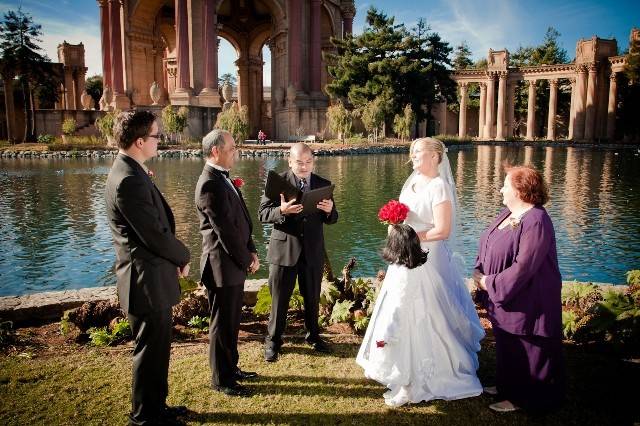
(158, 136)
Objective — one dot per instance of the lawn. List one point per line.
(73, 384)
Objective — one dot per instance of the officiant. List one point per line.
(296, 250)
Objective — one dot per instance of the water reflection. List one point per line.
(55, 233)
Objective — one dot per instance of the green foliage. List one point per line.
(100, 336)
(69, 126)
(453, 139)
(227, 78)
(6, 332)
(234, 120)
(93, 86)
(187, 285)
(339, 120)
(573, 295)
(462, 57)
(45, 139)
(403, 66)
(373, 115)
(105, 123)
(569, 323)
(263, 302)
(361, 324)
(402, 124)
(121, 329)
(342, 311)
(633, 277)
(201, 323)
(174, 122)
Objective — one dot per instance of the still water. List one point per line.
(54, 233)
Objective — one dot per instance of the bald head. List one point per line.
(301, 160)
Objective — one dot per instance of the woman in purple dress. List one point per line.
(519, 280)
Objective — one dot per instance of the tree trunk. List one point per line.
(26, 98)
(33, 114)
(9, 108)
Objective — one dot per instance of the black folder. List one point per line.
(277, 185)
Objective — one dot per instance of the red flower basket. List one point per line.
(393, 212)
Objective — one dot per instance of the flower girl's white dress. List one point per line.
(427, 319)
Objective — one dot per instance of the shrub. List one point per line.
(45, 139)
(174, 122)
(402, 124)
(69, 126)
(339, 120)
(198, 322)
(234, 120)
(263, 302)
(105, 123)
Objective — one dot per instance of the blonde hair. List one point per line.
(430, 144)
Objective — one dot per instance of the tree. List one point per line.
(94, 86)
(339, 120)
(234, 120)
(390, 61)
(462, 57)
(227, 78)
(373, 115)
(629, 88)
(402, 124)
(20, 51)
(174, 122)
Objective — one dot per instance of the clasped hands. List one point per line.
(292, 207)
(184, 271)
(255, 264)
(479, 279)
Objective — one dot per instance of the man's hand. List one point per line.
(184, 271)
(326, 206)
(255, 264)
(289, 207)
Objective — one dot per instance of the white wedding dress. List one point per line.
(426, 317)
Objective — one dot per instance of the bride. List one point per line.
(424, 334)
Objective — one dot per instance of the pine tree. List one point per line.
(21, 52)
(462, 57)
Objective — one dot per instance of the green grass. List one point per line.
(80, 385)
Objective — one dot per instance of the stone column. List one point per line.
(491, 83)
(551, 121)
(511, 110)
(531, 111)
(462, 123)
(501, 98)
(578, 122)
(106, 44)
(209, 95)
(572, 109)
(182, 44)
(294, 17)
(120, 100)
(589, 125)
(315, 48)
(348, 13)
(483, 110)
(611, 109)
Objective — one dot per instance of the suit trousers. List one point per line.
(225, 304)
(151, 352)
(282, 280)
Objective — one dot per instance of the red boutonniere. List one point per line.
(238, 182)
(150, 173)
(380, 343)
(393, 212)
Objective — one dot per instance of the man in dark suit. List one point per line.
(296, 249)
(149, 260)
(228, 253)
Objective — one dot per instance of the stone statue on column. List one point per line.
(155, 91)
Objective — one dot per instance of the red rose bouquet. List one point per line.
(393, 212)
(238, 182)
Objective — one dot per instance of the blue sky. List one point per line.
(482, 24)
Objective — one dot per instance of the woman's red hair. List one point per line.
(529, 183)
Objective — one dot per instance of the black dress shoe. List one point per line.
(270, 354)
(319, 345)
(176, 410)
(233, 390)
(244, 375)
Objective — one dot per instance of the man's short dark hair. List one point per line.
(131, 125)
(403, 247)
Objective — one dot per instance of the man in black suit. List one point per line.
(228, 253)
(296, 249)
(149, 260)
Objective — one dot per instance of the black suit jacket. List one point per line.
(225, 225)
(143, 230)
(294, 233)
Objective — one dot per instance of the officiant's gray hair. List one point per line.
(213, 138)
(432, 144)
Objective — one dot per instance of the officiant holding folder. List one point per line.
(296, 250)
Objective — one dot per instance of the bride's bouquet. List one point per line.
(393, 212)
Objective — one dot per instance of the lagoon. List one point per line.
(54, 233)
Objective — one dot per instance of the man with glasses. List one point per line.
(149, 261)
(296, 250)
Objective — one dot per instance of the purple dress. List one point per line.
(524, 306)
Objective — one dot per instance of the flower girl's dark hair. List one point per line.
(403, 247)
